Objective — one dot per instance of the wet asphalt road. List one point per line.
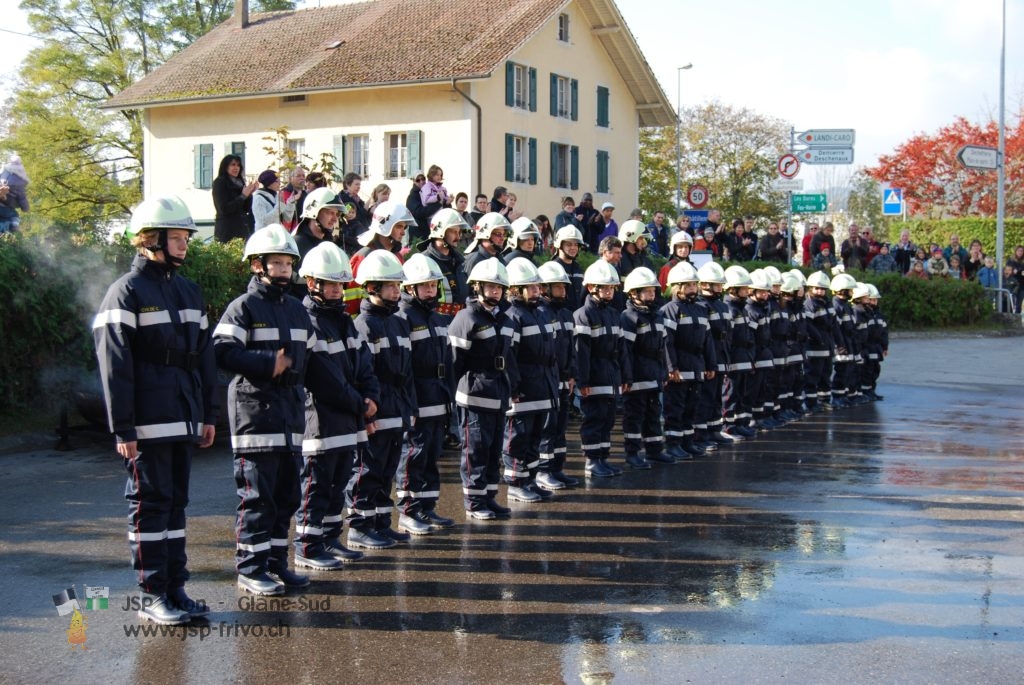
(883, 543)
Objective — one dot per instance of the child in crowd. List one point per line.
(824, 260)
(883, 263)
(956, 270)
(917, 270)
(936, 266)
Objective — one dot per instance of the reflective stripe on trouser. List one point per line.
(368, 495)
(773, 387)
(840, 378)
(552, 441)
(157, 494)
(790, 383)
(853, 370)
(872, 370)
(641, 421)
(268, 492)
(737, 409)
(323, 480)
(481, 456)
(520, 452)
(817, 377)
(757, 392)
(709, 404)
(418, 481)
(596, 428)
(681, 400)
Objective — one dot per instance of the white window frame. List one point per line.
(397, 155)
(521, 89)
(357, 155)
(562, 166)
(564, 97)
(563, 27)
(520, 159)
(298, 148)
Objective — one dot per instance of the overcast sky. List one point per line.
(887, 68)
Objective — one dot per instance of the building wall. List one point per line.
(447, 121)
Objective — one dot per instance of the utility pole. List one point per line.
(679, 121)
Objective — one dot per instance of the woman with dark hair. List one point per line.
(547, 234)
(498, 200)
(349, 195)
(232, 200)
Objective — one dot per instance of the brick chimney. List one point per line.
(241, 15)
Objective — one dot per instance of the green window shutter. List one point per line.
(197, 166)
(574, 167)
(575, 94)
(602, 106)
(510, 154)
(602, 171)
(338, 150)
(533, 161)
(533, 89)
(554, 95)
(554, 164)
(414, 143)
(510, 84)
(207, 157)
(238, 148)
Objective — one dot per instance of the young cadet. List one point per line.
(533, 347)
(446, 228)
(709, 421)
(159, 380)
(265, 338)
(481, 340)
(341, 396)
(551, 471)
(821, 345)
(741, 354)
(877, 346)
(790, 381)
(798, 350)
(419, 481)
(691, 360)
(759, 320)
(387, 335)
(842, 286)
(598, 344)
(488, 240)
(643, 371)
(522, 243)
(568, 242)
(680, 245)
(386, 232)
(780, 327)
(862, 321)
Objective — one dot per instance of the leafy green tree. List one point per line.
(865, 202)
(657, 170)
(85, 163)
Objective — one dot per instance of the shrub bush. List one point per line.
(924, 231)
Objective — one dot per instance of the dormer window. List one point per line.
(563, 28)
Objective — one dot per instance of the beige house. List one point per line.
(545, 97)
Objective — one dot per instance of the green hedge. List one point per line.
(924, 231)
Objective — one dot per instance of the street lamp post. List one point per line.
(679, 121)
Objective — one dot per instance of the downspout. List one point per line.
(479, 137)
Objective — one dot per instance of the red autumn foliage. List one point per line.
(935, 184)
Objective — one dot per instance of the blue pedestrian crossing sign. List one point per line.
(892, 201)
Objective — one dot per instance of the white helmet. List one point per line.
(799, 274)
(272, 239)
(523, 227)
(759, 280)
(683, 272)
(640, 277)
(861, 290)
(521, 271)
(485, 226)
(552, 272)
(790, 283)
(711, 272)
(385, 216)
(569, 232)
(632, 231)
(737, 277)
(160, 213)
(319, 199)
(873, 291)
(601, 273)
(774, 275)
(819, 279)
(326, 262)
(489, 271)
(420, 268)
(445, 219)
(679, 238)
(843, 282)
(379, 265)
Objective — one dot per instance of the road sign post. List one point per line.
(826, 155)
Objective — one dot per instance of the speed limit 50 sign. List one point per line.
(697, 196)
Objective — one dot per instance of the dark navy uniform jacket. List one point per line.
(266, 414)
(387, 336)
(598, 341)
(339, 379)
(741, 347)
(559, 317)
(845, 330)
(820, 325)
(759, 320)
(720, 320)
(689, 344)
(533, 344)
(483, 362)
(643, 361)
(157, 368)
(431, 357)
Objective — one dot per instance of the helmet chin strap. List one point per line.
(161, 246)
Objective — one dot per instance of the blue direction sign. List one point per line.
(892, 201)
(698, 218)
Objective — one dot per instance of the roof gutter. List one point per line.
(479, 136)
